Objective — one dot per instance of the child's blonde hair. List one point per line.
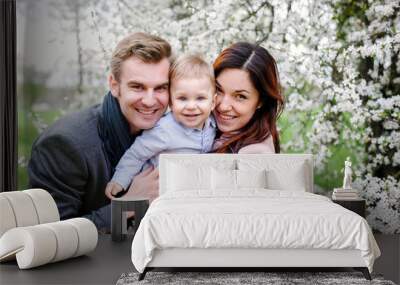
(191, 66)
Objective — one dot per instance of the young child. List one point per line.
(188, 128)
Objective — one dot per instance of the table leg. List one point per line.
(140, 211)
(116, 221)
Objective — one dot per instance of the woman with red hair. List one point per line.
(249, 100)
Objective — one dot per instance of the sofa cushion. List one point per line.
(37, 245)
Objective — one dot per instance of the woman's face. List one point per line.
(237, 100)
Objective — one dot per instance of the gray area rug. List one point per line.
(273, 278)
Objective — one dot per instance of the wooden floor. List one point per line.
(95, 268)
(389, 262)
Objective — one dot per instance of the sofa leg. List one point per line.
(143, 274)
(364, 271)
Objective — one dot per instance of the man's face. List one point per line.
(142, 92)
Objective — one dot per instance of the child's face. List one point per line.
(192, 101)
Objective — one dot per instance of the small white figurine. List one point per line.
(347, 174)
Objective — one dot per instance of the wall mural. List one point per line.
(338, 60)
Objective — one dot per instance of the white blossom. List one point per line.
(328, 101)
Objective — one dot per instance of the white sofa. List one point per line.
(197, 192)
(31, 231)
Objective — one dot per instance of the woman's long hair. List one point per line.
(263, 73)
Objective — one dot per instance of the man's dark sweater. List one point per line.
(70, 161)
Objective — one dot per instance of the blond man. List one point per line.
(75, 157)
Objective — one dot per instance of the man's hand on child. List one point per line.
(113, 189)
(145, 184)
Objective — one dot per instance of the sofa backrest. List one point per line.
(282, 171)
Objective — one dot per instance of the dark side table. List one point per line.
(357, 206)
(119, 207)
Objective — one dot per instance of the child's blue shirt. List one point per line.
(167, 136)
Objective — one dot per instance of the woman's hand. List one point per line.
(145, 184)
